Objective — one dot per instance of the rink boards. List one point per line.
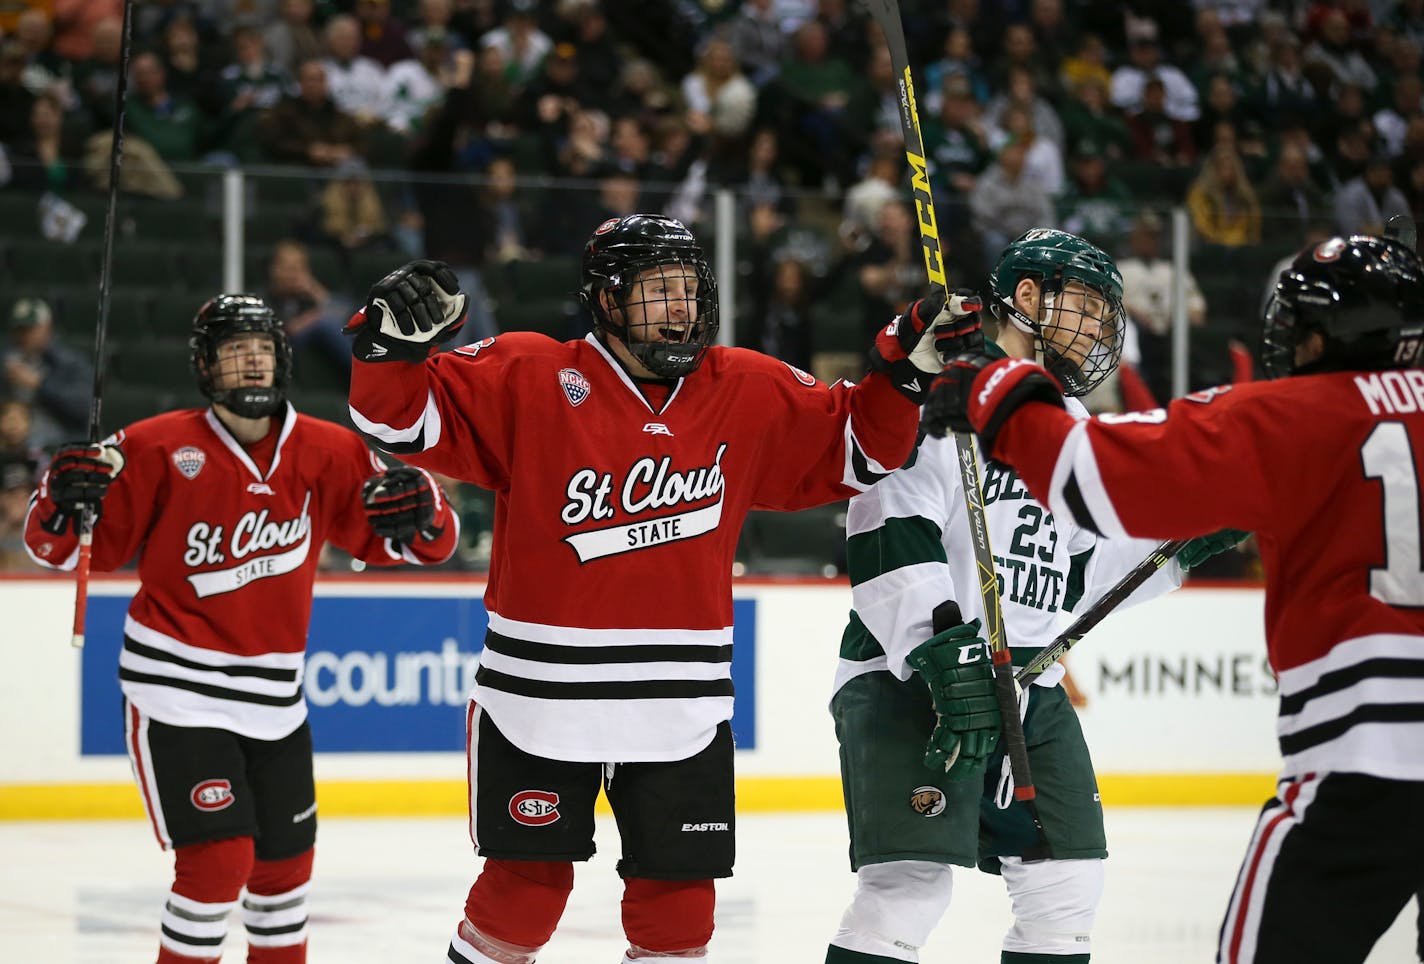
(1180, 703)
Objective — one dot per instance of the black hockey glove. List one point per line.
(77, 479)
(913, 348)
(953, 405)
(955, 666)
(408, 314)
(1202, 548)
(400, 505)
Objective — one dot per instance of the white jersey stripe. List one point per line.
(603, 672)
(1243, 914)
(472, 747)
(141, 759)
(428, 423)
(574, 636)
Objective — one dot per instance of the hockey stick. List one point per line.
(887, 14)
(1111, 599)
(106, 264)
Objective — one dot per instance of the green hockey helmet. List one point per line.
(1080, 334)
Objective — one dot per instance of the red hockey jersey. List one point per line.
(1326, 471)
(616, 521)
(227, 555)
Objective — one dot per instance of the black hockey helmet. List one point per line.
(223, 318)
(621, 249)
(1363, 294)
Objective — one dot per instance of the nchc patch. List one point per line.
(575, 386)
(927, 801)
(534, 808)
(190, 460)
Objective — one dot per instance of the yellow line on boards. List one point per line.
(440, 798)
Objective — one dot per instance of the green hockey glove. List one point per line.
(955, 666)
(1202, 548)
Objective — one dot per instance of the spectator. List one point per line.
(1006, 202)
(1021, 92)
(249, 85)
(291, 39)
(53, 379)
(1088, 63)
(642, 90)
(97, 77)
(1054, 35)
(959, 60)
(15, 424)
(1364, 204)
(890, 269)
(818, 88)
(1129, 81)
(1334, 54)
(1043, 161)
(510, 238)
(1019, 51)
(1406, 19)
(1290, 200)
(383, 37)
(600, 60)
(521, 41)
(552, 97)
(75, 36)
(1220, 106)
(1392, 122)
(357, 83)
(1222, 203)
(43, 158)
(1096, 205)
(759, 176)
(957, 145)
(17, 481)
(782, 314)
(757, 41)
(187, 78)
(434, 16)
(171, 123)
(416, 85)
(718, 94)
(352, 216)
(1216, 57)
(309, 315)
(865, 198)
(1090, 123)
(1147, 287)
(1156, 135)
(43, 67)
(1285, 94)
(309, 128)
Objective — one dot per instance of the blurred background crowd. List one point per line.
(495, 134)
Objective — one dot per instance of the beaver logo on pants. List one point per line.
(927, 801)
(534, 808)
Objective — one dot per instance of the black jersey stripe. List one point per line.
(276, 674)
(1320, 733)
(190, 939)
(1383, 668)
(455, 957)
(281, 929)
(653, 689)
(208, 689)
(585, 655)
(1077, 505)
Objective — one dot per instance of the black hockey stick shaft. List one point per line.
(1099, 611)
(887, 14)
(106, 264)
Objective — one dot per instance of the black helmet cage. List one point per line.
(1363, 295)
(1079, 373)
(613, 264)
(223, 318)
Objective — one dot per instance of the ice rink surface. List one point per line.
(391, 890)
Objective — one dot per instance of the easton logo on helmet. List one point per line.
(190, 461)
(575, 386)
(212, 795)
(534, 808)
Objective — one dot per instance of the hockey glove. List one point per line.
(955, 666)
(77, 479)
(408, 314)
(978, 394)
(1202, 548)
(400, 505)
(912, 348)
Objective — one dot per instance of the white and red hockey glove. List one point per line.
(975, 393)
(914, 346)
(409, 313)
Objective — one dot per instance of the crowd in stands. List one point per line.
(496, 133)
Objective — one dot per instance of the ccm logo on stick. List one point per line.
(534, 808)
